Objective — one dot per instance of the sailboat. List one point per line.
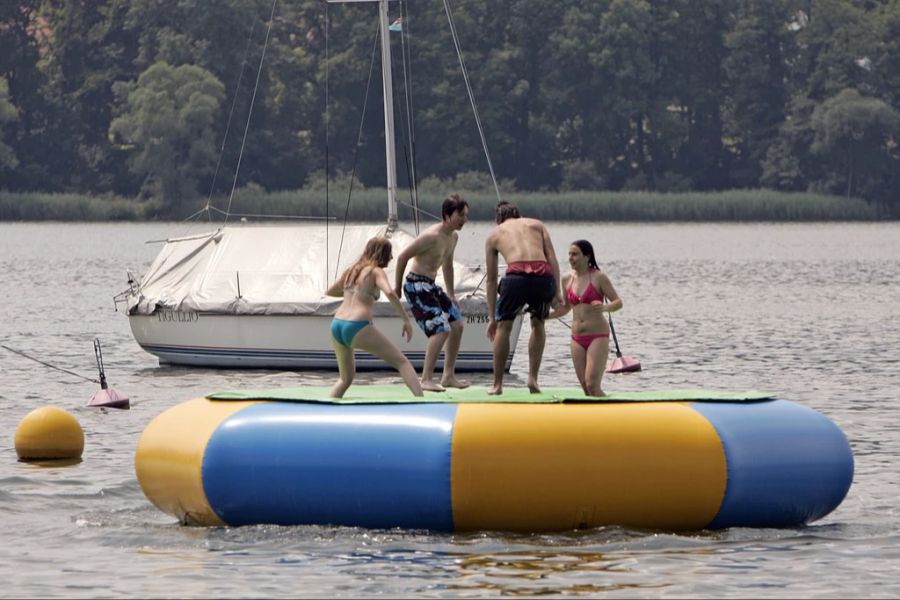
(252, 296)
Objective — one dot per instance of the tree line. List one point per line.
(153, 98)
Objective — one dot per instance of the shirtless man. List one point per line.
(532, 279)
(436, 311)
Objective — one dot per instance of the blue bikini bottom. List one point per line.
(343, 331)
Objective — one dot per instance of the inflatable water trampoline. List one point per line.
(462, 460)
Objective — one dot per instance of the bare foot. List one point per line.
(431, 386)
(533, 386)
(496, 390)
(453, 382)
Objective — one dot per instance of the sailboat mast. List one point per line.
(390, 154)
(387, 83)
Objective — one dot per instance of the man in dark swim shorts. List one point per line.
(532, 280)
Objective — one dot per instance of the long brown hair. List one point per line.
(378, 253)
(588, 250)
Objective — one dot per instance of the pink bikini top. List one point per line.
(590, 294)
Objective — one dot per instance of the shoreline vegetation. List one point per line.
(368, 205)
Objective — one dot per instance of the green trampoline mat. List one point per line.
(399, 394)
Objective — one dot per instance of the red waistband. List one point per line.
(530, 267)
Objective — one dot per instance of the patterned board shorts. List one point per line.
(431, 306)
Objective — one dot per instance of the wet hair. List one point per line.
(506, 210)
(588, 250)
(378, 253)
(452, 203)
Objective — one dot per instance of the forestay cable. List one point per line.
(250, 111)
(465, 73)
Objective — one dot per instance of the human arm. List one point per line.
(382, 283)
(400, 270)
(491, 265)
(447, 269)
(613, 302)
(564, 308)
(550, 255)
(336, 289)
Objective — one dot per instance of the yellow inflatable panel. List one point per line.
(169, 458)
(554, 467)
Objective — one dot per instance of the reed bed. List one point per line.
(370, 205)
(69, 207)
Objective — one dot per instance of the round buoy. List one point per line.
(49, 432)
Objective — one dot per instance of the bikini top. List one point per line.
(376, 294)
(589, 295)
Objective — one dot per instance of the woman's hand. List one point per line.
(598, 305)
(407, 330)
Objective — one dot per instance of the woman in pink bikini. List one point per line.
(589, 292)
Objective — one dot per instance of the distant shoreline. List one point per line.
(370, 205)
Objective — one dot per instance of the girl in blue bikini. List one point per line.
(589, 293)
(360, 286)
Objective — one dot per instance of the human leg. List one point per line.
(595, 365)
(501, 353)
(374, 342)
(432, 350)
(451, 351)
(579, 359)
(536, 342)
(346, 369)
(430, 307)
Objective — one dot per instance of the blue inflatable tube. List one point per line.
(484, 466)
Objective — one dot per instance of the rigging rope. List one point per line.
(327, 122)
(405, 49)
(362, 120)
(250, 111)
(237, 88)
(465, 73)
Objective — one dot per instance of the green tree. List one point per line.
(21, 33)
(857, 136)
(835, 40)
(86, 49)
(167, 123)
(8, 113)
(759, 45)
(885, 62)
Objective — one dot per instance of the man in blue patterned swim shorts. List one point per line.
(435, 310)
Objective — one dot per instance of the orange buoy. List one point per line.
(49, 432)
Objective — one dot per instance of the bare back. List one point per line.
(520, 239)
(359, 297)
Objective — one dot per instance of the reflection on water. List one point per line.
(807, 311)
(535, 573)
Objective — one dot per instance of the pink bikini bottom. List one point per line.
(584, 339)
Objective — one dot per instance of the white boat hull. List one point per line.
(288, 341)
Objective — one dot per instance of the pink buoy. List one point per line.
(106, 397)
(624, 364)
(621, 364)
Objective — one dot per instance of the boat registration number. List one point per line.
(477, 318)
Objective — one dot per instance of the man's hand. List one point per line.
(492, 330)
(407, 330)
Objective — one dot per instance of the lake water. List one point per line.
(810, 311)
